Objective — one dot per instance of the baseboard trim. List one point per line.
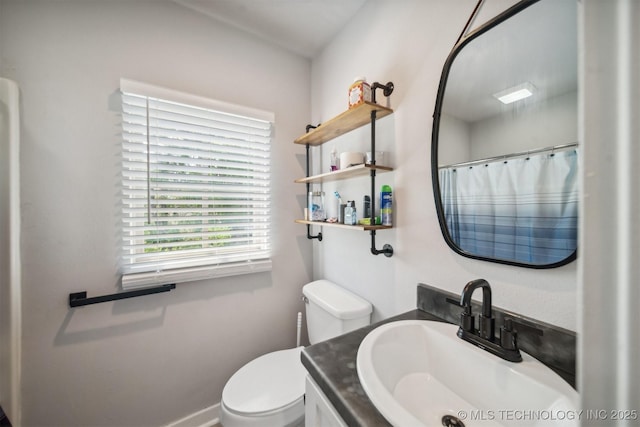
(206, 417)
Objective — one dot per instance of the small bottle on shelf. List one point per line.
(350, 217)
(334, 159)
(366, 207)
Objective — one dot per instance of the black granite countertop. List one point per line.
(332, 365)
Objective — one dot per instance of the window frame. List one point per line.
(173, 266)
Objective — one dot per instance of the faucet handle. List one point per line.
(509, 332)
(452, 301)
(508, 335)
(467, 320)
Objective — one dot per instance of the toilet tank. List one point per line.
(332, 310)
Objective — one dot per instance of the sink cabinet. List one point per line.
(318, 410)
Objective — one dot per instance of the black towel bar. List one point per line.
(78, 299)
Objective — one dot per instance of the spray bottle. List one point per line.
(386, 211)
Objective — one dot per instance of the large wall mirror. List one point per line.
(505, 138)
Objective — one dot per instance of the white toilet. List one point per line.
(269, 390)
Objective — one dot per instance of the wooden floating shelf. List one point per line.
(349, 227)
(351, 172)
(343, 123)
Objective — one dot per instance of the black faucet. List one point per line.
(484, 336)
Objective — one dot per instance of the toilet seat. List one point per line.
(271, 382)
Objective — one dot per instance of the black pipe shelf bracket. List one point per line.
(319, 235)
(387, 89)
(79, 299)
(387, 249)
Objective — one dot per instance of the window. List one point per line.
(196, 187)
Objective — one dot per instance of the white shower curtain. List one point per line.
(521, 209)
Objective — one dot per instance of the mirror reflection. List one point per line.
(505, 138)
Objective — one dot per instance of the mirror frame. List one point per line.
(435, 180)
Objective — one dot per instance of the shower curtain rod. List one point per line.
(512, 155)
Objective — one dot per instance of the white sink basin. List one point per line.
(416, 371)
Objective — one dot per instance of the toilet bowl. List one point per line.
(266, 391)
(269, 390)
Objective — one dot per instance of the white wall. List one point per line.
(550, 123)
(608, 341)
(10, 271)
(407, 42)
(154, 359)
(457, 148)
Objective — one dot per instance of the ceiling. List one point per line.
(304, 27)
(538, 45)
(524, 48)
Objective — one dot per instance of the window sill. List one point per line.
(190, 274)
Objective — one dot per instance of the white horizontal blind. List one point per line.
(196, 190)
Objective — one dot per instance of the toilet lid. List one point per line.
(267, 383)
